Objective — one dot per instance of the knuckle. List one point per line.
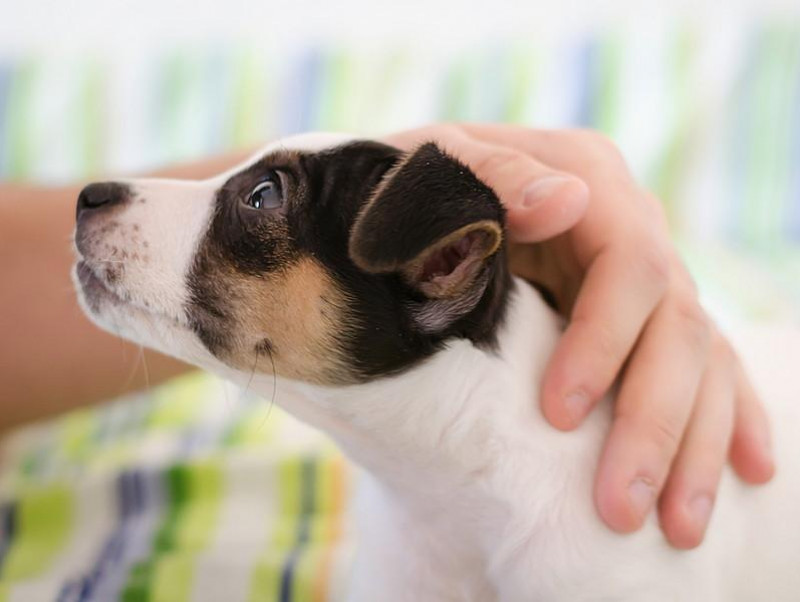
(608, 343)
(655, 209)
(443, 134)
(447, 129)
(666, 432)
(601, 146)
(663, 430)
(688, 281)
(693, 320)
(724, 352)
(654, 259)
(495, 162)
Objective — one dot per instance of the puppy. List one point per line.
(372, 284)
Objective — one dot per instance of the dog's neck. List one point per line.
(463, 466)
(448, 417)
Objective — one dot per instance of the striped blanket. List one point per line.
(192, 491)
(196, 492)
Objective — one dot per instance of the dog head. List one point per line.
(322, 260)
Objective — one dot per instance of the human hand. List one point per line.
(684, 402)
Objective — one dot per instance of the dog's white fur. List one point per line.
(469, 494)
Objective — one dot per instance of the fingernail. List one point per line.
(576, 404)
(700, 509)
(642, 492)
(542, 189)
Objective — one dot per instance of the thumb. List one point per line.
(541, 202)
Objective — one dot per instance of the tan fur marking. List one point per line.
(299, 310)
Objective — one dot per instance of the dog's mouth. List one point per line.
(94, 288)
(97, 291)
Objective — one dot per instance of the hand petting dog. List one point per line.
(600, 245)
(584, 230)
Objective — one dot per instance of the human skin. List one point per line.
(52, 358)
(579, 225)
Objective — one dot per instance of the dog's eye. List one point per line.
(268, 194)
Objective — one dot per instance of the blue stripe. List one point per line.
(584, 73)
(217, 85)
(109, 568)
(496, 74)
(739, 146)
(302, 85)
(8, 524)
(308, 484)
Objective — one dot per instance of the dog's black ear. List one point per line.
(433, 222)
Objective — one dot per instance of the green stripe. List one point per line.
(180, 402)
(266, 579)
(172, 578)
(90, 121)
(172, 89)
(520, 84)
(295, 584)
(607, 83)
(77, 431)
(195, 492)
(194, 500)
(454, 91)
(386, 83)
(45, 523)
(19, 120)
(769, 140)
(258, 426)
(5, 592)
(253, 99)
(337, 80)
(289, 492)
(303, 574)
(137, 588)
(670, 166)
(784, 46)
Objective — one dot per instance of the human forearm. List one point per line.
(52, 358)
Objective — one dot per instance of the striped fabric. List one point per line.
(193, 491)
(196, 492)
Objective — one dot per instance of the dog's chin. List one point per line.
(115, 314)
(93, 294)
(123, 318)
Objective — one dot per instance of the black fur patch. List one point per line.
(431, 196)
(325, 193)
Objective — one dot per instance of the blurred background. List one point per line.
(703, 97)
(194, 492)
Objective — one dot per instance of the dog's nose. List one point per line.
(101, 195)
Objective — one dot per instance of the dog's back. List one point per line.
(756, 531)
(752, 547)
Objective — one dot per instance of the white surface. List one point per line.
(54, 25)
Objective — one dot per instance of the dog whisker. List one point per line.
(224, 385)
(146, 372)
(118, 333)
(133, 371)
(274, 391)
(252, 375)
